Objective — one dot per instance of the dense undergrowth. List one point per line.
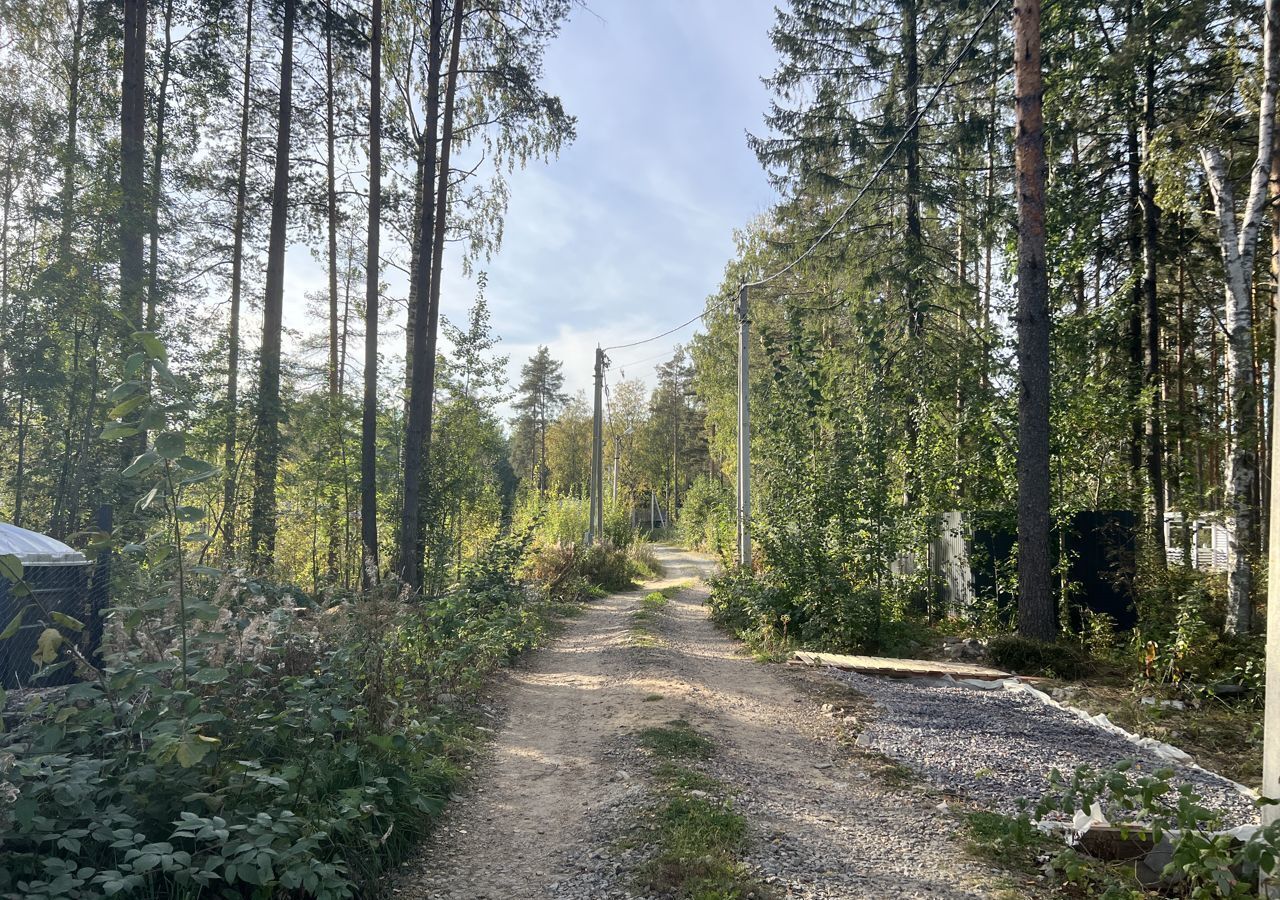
(302, 749)
(240, 738)
(563, 561)
(286, 744)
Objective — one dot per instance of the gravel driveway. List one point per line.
(996, 746)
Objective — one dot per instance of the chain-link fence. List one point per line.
(59, 588)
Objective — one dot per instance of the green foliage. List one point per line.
(775, 613)
(698, 841)
(1015, 845)
(1206, 862)
(562, 561)
(1012, 842)
(314, 765)
(241, 739)
(1023, 656)
(653, 601)
(707, 519)
(676, 740)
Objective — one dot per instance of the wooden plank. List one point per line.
(900, 668)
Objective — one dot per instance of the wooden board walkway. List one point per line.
(899, 668)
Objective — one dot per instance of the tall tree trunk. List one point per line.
(331, 201)
(237, 281)
(1151, 309)
(1182, 359)
(132, 219)
(266, 461)
(437, 249)
(331, 210)
(6, 213)
(20, 470)
(70, 155)
(419, 387)
(989, 222)
(1133, 337)
(157, 170)
(1035, 602)
(1269, 393)
(369, 414)
(1238, 243)
(914, 250)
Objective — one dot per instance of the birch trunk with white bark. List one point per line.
(1238, 242)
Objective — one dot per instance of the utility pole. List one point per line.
(596, 527)
(744, 434)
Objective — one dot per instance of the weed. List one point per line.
(650, 698)
(643, 638)
(644, 619)
(1026, 657)
(1010, 842)
(676, 740)
(684, 779)
(699, 840)
(654, 601)
(699, 836)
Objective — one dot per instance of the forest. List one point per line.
(900, 333)
(1022, 274)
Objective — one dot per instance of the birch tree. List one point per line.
(1238, 241)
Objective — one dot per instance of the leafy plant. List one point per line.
(1027, 657)
(239, 738)
(1204, 860)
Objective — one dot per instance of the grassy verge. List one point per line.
(700, 838)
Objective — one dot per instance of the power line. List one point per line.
(669, 331)
(844, 213)
(642, 361)
(884, 163)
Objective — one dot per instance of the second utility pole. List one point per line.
(596, 493)
(744, 434)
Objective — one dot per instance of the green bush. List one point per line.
(1203, 859)
(708, 518)
(827, 612)
(306, 767)
(1027, 657)
(576, 572)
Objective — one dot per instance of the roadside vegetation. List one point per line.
(243, 737)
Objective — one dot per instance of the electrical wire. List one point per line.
(622, 367)
(844, 213)
(884, 163)
(669, 331)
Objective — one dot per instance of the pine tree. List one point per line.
(539, 398)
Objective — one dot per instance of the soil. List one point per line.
(548, 812)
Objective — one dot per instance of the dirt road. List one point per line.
(562, 785)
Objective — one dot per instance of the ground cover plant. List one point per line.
(698, 836)
(238, 737)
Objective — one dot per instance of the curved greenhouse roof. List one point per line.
(35, 549)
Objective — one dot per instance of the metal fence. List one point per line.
(68, 594)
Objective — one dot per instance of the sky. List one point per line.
(628, 230)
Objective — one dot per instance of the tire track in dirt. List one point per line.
(556, 776)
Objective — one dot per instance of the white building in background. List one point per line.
(1208, 541)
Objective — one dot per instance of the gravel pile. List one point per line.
(999, 746)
